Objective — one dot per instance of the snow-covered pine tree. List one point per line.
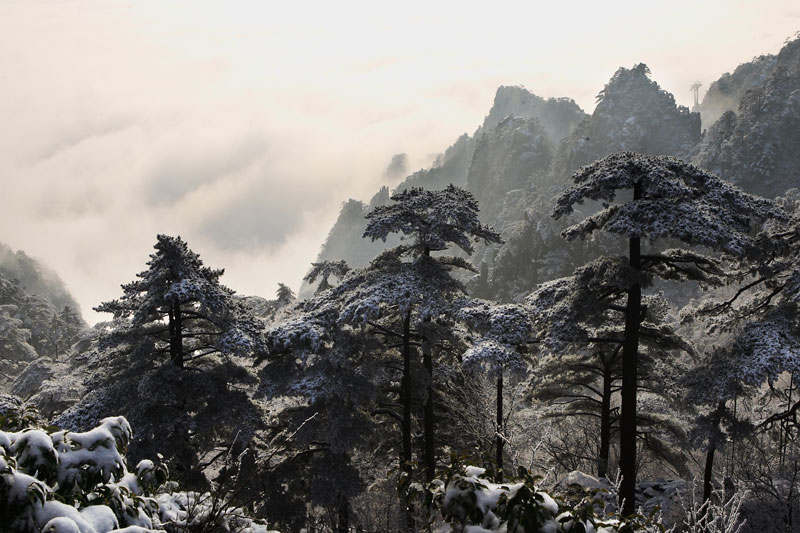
(505, 330)
(670, 199)
(178, 308)
(15, 351)
(712, 383)
(760, 338)
(405, 298)
(333, 368)
(284, 295)
(325, 337)
(432, 221)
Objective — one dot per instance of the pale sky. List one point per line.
(243, 125)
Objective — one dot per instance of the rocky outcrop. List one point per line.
(519, 131)
(558, 116)
(509, 158)
(633, 113)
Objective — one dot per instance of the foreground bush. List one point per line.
(464, 500)
(68, 482)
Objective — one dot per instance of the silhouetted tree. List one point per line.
(324, 270)
(178, 308)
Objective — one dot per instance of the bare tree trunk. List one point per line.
(712, 448)
(630, 355)
(499, 437)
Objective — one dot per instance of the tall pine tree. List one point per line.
(665, 198)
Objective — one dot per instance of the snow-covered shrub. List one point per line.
(16, 414)
(59, 481)
(49, 478)
(464, 500)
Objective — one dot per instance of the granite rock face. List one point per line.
(724, 94)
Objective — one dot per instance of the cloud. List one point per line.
(180, 167)
(260, 212)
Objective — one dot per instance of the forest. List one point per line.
(569, 322)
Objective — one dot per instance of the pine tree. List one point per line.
(178, 308)
(324, 270)
(505, 330)
(15, 350)
(760, 338)
(670, 199)
(433, 221)
(332, 366)
(404, 298)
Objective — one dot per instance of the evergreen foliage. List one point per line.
(178, 308)
(671, 199)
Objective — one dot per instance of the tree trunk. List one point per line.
(605, 422)
(427, 362)
(630, 355)
(175, 335)
(712, 448)
(499, 437)
(405, 399)
(430, 457)
(343, 512)
(707, 475)
(171, 326)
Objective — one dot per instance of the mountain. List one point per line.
(558, 116)
(507, 159)
(756, 147)
(35, 278)
(633, 113)
(523, 153)
(725, 93)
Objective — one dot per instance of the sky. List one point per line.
(243, 125)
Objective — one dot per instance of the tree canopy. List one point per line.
(178, 308)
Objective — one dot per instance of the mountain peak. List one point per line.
(558, 116)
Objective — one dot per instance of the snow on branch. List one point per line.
(678, 200)
(432, 220)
